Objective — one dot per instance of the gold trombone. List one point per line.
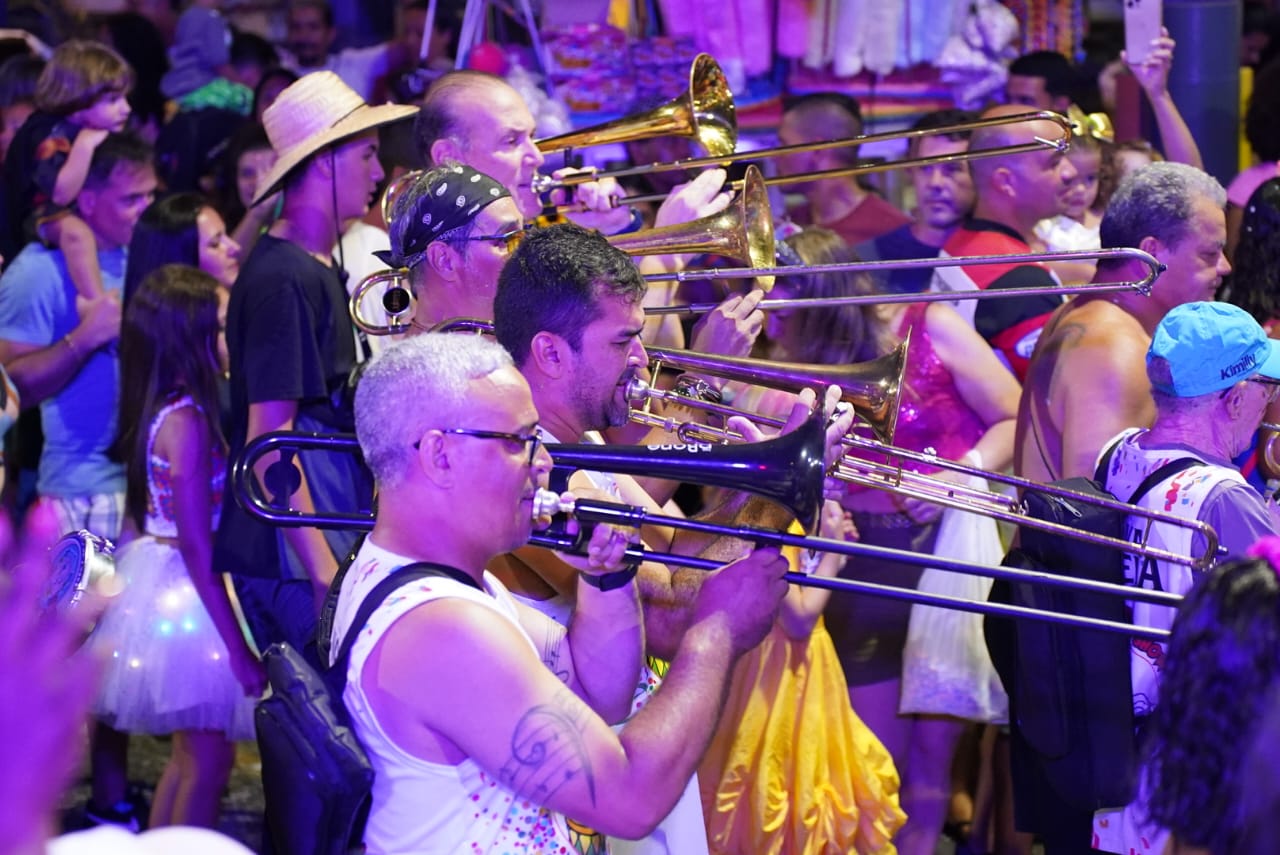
(1141, 286)
(874, 392)
(704, 113)
(743, 231)
(544, 183)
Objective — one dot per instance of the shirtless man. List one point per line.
(1086, 381)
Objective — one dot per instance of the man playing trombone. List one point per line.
(445, 687)
(453, 253)
(479, 120)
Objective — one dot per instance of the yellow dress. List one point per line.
(792, 770)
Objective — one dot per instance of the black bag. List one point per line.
(316, 778)
(1070, 694)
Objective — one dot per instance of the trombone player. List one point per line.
(454, 227)
(569, 311)
(479, 120)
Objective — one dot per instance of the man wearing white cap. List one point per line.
(292, 349)
(1213, 371)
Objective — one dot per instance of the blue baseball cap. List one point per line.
(1211, 347)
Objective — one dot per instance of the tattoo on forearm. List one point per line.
(552, 651)
(548, 751)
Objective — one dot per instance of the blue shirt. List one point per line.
(38, 307)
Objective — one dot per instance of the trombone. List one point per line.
(743, 231)
(762, 468)
(704, 113)
(884, 377)
(1141, 286)
(545, 183)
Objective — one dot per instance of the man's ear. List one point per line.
(549, 355)
(433, 459)
(446, 150)
(1003, 180)
(87, 201)
(1151, 245)
(444, 260)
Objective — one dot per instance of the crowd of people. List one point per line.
(175, 285)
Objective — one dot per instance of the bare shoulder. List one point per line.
(1095, 331)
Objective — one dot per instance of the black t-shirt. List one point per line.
(290, 339)
(897, 245)
(289, 336)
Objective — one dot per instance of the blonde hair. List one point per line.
(78, 73)
(839, 334)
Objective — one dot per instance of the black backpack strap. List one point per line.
(398, 578)
(1173, 467)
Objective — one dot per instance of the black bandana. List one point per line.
(452, 199)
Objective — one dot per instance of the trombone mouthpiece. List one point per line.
(547, 503)
(636, 390)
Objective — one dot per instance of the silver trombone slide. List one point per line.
(1141, 286)
(246, 489)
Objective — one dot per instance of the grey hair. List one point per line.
(1160, 374)
(417, 384)
(1156, 201)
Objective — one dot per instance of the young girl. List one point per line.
(791, 769)
(176, 659)
(79, 98)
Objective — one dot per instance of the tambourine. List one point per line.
(80, 561)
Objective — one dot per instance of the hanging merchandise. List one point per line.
(975, 62)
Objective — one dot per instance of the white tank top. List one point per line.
(422, 807)
(1183, 494)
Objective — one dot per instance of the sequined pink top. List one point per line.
(160, 520)
(932, 414)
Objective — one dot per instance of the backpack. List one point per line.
(316, 777)
(1070, 694)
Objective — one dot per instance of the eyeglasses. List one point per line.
(532, 439)
(511, 239)
(1273, 386)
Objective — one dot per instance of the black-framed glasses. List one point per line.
(1273, 386)
(510, 239)
(531, 439)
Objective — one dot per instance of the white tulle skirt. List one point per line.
(167, 668)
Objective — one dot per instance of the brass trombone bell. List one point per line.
(1140, 286)
(743, 231)
(705, 113)
(872, 388)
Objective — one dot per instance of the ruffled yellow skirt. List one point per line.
(792, 770)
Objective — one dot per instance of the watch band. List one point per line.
(611, 581)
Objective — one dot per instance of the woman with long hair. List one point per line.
(181, 229)
(177, 661)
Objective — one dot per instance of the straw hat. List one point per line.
(316, 111)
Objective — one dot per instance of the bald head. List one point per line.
(823, 116)
(441, 114)
(1000, 136)
(479, 120)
